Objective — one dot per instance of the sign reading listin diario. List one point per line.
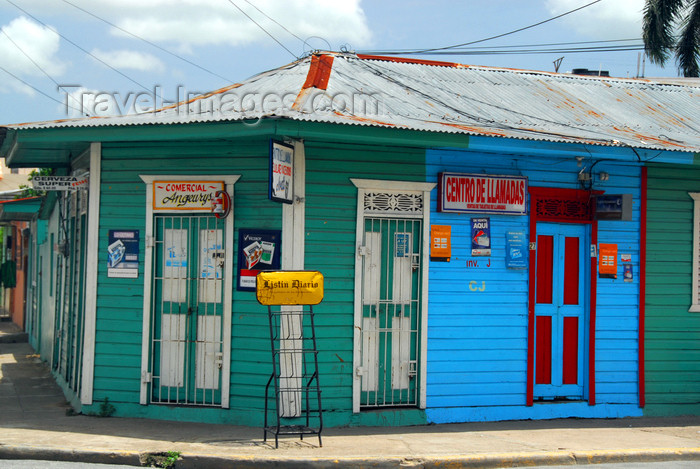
(289, 288)
(185, 195)
(482, 193)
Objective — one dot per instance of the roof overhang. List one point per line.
(20, 209)
(39, 153)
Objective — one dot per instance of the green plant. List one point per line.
(165, 460)
(106, 409)
(29, 191)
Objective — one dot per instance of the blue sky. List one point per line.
(217, 37)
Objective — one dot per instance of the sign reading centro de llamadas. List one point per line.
(290, 288)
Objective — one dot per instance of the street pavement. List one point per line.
(36, 422)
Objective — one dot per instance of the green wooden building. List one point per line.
(672, 327)
(140, 295)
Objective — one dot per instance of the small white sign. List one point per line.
(281, 172)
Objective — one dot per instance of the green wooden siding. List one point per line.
(331, 201)
(672, 334)
(331, 217)
(120, 301)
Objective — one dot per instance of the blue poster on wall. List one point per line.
(257, 250)
(123, 254)
(481, 237)
(516, 250)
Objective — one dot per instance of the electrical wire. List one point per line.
(38, 90)
(79, 47)
(273, 20)
(148, 42)
(260, 26)
(423, 51)
(58, 86)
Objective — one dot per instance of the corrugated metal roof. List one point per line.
(444, 97)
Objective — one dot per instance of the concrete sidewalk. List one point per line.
(36, 423)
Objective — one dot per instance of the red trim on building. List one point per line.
(405, 60)
(570, 351)
(319, 72)
(545, 269)
(543, 373)
(573, 206)
(642, 287)
(571, 278)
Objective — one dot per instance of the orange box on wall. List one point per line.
(441, 242)
(607, 260)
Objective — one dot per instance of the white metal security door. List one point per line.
(187, 340)
(391, 254)
(391, 283)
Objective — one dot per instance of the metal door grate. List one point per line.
(187, 310)
(391, 287)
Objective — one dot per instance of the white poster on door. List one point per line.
(175, 265)
(211, 265)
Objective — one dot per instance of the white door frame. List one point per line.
(422, 189)
(229, 181)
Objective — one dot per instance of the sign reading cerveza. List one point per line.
(289, 288)
(184, 195)
(60, 183)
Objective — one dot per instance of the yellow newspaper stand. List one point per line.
(290, 297)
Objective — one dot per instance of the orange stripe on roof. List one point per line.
(319, 72)
(406, 60)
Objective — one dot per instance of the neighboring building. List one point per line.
(469, 275)
(672, 345)
(13, 241)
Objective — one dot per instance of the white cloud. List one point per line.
(23, 39)
(127, 59)
(609, 19)
(191, 23)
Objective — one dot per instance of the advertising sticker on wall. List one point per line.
(123, 254)
(481, 237)
(258, 250)
(516, 250)
(281, 172)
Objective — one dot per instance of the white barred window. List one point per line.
(695, 306)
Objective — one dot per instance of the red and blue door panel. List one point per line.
(560, 311)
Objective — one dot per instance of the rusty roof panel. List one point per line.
(445, 97)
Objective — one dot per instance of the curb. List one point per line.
(491, 460)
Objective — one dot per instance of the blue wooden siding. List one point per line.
(477, 340)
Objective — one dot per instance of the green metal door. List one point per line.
(187, 310)
(390, 311)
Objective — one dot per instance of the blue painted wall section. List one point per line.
(478, 316)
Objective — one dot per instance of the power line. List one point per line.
(259, 26)
(147, 41)
(504, 34)
(512, 46)
(274, 21)
(38, 90)
(58, 86)
(577, 50)
(77, 46)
